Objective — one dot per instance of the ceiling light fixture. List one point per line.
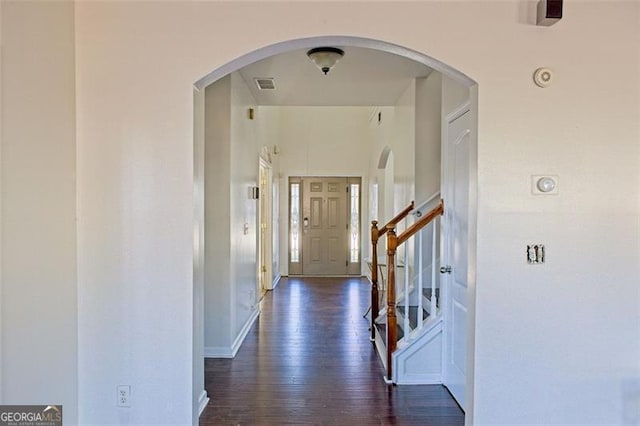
(325, 57)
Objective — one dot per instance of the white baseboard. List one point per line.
(230, 352)
(203, 400)
(243, 333)
(421, 379)
(276, 281)
(217, 352)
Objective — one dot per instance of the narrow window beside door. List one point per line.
(354, 223)
(295, 223)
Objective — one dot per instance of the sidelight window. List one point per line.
(354, 223)
(294, 225)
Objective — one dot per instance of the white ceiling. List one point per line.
(363, 77)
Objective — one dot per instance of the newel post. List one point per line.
(375, 309)
(392, 322)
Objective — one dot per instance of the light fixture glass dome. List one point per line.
(325, 57)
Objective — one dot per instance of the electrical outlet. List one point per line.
(124, 396)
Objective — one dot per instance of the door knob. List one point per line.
(445, 269)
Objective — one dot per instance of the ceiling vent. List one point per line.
(265, 83)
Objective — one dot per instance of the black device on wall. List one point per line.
(549, 12)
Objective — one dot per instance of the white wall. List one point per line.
(396, 131)
(402, 141)
(454, 96)
(380, 125)
(199, 395)
(231, 168)
(39, 298)
(135, 218)
(218, 286)
(245, 148)
(428, 135)
(538, 359)
(268, 120)
(316, 141)
(1, 180)
(428, 100)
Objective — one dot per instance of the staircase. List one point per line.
(407, 330)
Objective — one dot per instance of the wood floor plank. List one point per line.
(308, 361)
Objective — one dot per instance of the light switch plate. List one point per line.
(535, 254)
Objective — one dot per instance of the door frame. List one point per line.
(446, 244)
(264, 225)
(263, 52)
(296, 268)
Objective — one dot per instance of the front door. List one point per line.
(327, 228)
(456, 225)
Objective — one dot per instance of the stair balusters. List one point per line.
(393, 242)
(392, 321)
(375, 309)
(375, 236)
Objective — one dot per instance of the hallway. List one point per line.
(308, 360)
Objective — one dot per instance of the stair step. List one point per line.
(413, 316)
(382, 331)
(426, 292)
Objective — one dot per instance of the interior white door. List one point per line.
(455, 261)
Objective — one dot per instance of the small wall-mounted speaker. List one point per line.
(549, 12)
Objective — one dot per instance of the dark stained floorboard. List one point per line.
(308, 361)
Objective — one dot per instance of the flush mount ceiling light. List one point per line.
(325, 57)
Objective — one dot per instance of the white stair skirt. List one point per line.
(419, 361)
(418, 357)
(381, 348)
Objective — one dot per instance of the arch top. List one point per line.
(346, 41)
(384, 157)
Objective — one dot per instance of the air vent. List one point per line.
(265, 83)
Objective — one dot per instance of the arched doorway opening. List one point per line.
(463, 349)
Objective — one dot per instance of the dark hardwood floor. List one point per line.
(308, 361)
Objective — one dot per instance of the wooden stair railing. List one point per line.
(393, 242)
(375, 236)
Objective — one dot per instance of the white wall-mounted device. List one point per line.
(544, 184)
(543, 77)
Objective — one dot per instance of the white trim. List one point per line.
(424, 204)
(326, 276)
(472, 232)
(458, 112)
(384, 157)
(217, 352)
(243, 333)
(429, 337)
(275, 281)
(203, 400)
(373, 112)
(306, 43)
(230, 352)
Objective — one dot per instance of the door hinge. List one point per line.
(264, 268)
(346, 263)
